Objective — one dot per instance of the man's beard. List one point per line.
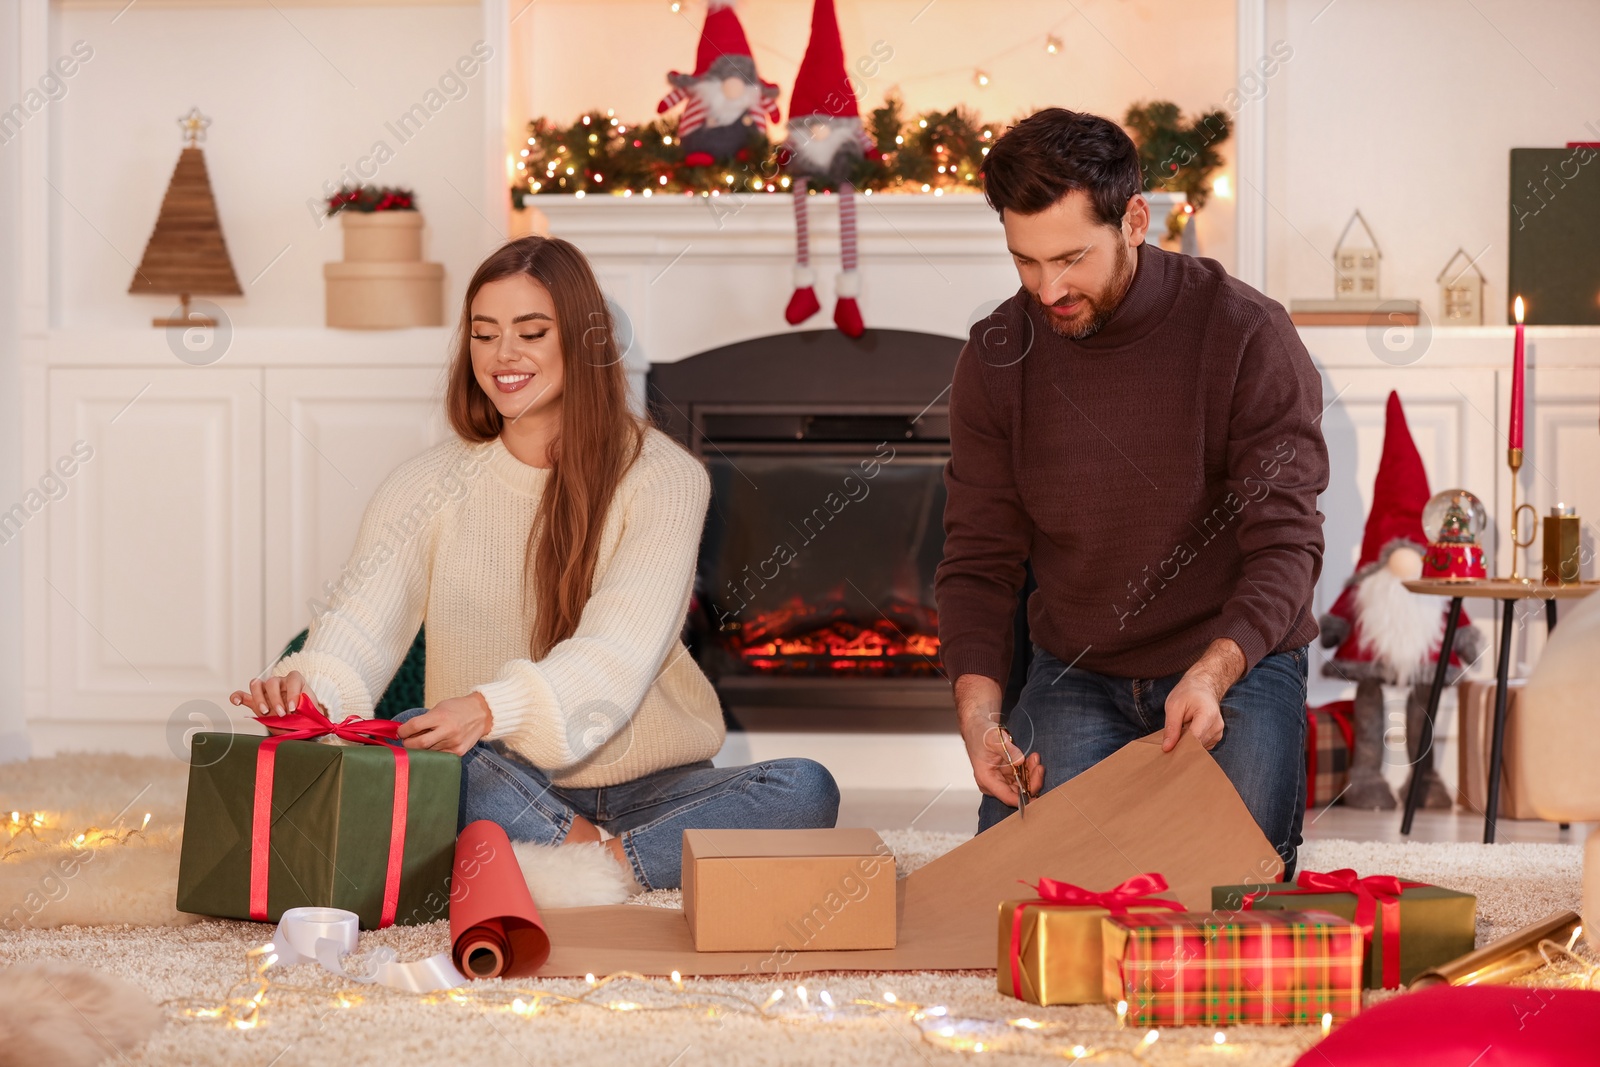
(1102, 307)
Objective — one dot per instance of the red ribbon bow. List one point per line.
(1371, 893)
(304, 723)
(1136, 890)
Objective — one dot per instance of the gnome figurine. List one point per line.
(1385, 634)
(826, 141)
(725, 97)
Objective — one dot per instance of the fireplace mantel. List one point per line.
(697, 272)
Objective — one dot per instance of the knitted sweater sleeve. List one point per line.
(355, 646)
(559, 709)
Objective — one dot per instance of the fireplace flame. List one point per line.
(827, 637)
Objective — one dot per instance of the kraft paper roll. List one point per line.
(495, 931)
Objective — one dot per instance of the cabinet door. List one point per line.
(332, 436)
(154, 545)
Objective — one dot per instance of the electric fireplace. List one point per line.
(813, 604)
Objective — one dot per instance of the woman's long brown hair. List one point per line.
(598, 440)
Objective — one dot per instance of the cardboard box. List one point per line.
(1475, 701)
(788, 890)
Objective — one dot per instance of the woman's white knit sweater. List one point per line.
(442, 544)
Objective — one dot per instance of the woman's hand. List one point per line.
(275, 696)
(453, 725)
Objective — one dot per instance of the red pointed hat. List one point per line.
(722, 35)
(822, 87)
(1399, 492)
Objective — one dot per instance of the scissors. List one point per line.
(1016, 774)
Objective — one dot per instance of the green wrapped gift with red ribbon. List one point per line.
(1050, 945)
(1407, 927)
(1283, 967)
(284, 821)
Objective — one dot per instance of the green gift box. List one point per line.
(1435, 925)
(332, 817)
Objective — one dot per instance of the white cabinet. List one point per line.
(193, 514)
(332, 435)
(154, 547)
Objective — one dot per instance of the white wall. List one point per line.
(295, 95)
(1113, 54)
(1408, 111)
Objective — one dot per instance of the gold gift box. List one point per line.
(1059, 960)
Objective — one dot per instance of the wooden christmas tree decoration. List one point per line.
(186, 253)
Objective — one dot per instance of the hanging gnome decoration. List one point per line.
(1387, 635)
(826, 142)
(726, 97)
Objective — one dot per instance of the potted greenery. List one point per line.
(1177, 156)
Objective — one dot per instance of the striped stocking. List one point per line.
(846, 312)
(803, 303)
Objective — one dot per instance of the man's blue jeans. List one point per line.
(648, 814)
(1075, 718)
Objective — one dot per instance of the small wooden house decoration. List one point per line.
(1461, 291)
(186, 254)
(1355, 262)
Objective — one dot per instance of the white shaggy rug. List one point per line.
(114, 912)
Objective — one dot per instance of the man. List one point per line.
(1144, 430)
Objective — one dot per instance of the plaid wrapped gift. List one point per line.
(1330, 741)
(1283, 967)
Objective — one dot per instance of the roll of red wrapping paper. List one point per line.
(495, 930)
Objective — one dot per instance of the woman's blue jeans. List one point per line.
(1076, 718)
(648, 814)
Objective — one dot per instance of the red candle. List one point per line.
(1515, 434)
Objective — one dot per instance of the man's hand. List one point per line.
(453, 725)
(989, 748)
(1196, 700)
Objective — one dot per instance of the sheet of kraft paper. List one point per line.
(1139, 810)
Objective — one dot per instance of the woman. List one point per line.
(549, 549)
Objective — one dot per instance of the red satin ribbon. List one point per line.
(1135, 890)
(1371, 893)
(304, 723)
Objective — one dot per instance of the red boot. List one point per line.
(846, 312)
(803, 304)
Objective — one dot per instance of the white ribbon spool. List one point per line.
(326, 935)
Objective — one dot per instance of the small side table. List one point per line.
(1508, 593)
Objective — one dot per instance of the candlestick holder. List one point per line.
(1514, 461)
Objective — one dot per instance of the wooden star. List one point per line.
(194, 126)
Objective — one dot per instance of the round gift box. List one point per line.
(382, 236)
(384, 296)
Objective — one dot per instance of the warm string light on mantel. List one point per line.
(597, 153)
(246, 1003)
(32, 822)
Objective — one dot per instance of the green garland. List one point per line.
(935, 151)
(599, 153)
(1177, 156)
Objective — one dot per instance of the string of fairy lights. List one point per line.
(1050, 41)
(32, 823)
(246, 1006)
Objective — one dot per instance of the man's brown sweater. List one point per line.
(1161, 476)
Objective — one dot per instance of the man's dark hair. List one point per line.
(1052, 152)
